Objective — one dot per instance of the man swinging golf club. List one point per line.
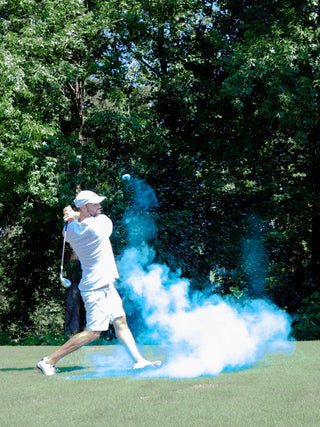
(88, 234)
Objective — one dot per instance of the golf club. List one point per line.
(65, 282)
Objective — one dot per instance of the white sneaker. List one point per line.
(45, 367)
(146, 364)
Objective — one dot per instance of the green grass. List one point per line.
(279, 390)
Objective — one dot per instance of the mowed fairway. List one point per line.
(279, 390)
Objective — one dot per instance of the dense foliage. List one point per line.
(214, 104)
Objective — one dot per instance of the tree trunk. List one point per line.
(75, 313)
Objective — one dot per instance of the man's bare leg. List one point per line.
(126, 338)
(47, 364)
(71, 345)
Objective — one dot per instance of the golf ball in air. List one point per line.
(126, 177)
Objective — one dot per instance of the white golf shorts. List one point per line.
(102, 307)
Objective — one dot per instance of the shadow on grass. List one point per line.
(67, 369)
(59, 370)
(16, 369)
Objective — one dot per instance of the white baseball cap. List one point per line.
(87, 196)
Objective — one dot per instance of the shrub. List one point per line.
(307, 326)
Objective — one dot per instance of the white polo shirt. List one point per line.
(90, 241)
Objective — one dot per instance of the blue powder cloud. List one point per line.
(200, 336)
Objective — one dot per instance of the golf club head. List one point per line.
(65, 282)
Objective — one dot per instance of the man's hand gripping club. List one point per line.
(69, 214)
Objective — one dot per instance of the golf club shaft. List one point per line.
(64, 244)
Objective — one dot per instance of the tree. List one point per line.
(273, 86)
(230, 131)
(214, 104)
(51, 54)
